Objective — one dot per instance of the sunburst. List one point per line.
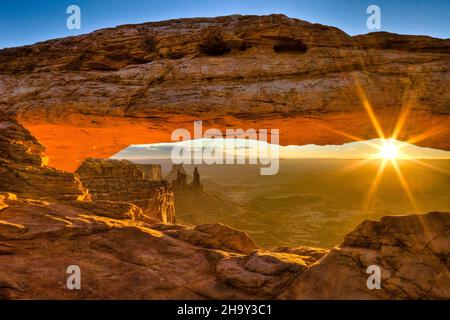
(388, 152)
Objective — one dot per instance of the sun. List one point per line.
(388, 150)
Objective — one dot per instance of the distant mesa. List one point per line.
(151, 171)
(122, 180)
(179, 179)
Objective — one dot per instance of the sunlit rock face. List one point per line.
(411, 252)
(151, 171)
(23, 168)
(99, 93)
(123, 181)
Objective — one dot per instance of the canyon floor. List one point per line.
(313, 202)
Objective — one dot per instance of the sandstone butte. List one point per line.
(100, 92)
(89, 96)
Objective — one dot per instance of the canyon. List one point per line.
(121, 180)
(67, 105)
(125, 254)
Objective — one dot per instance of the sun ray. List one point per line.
(389, 150)
(353, 166)
(339, 132)
(429, 166)
(410, 97)
(375, 183)
(368, 107)
(405, 185)
(428, 134)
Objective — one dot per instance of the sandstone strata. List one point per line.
(124, 255)
(24, 172)
(132, 84)
(151, 171)
(23, 168)
(122, 180)
(412, 252)
(101, 92)
(125, 259)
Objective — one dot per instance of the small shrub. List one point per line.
(213, 44)
(148, 41)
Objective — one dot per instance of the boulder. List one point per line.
(216, 236)
(412, 253)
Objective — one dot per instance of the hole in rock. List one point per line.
(318, 195)
(213, 44)
(290, 46)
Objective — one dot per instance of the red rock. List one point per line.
(100, 92)
(123, 181)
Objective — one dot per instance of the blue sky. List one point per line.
(26, 22)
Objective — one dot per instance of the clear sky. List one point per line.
(26, 22)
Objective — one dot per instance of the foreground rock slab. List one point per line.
(413, 253)
(128, 259)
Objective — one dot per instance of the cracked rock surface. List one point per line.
(413, 253)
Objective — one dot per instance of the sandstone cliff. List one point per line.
(24, 174)
(151, 171)
(122, 180)
(100, 92)
(23, 168)
(103, 91)
(413, 253)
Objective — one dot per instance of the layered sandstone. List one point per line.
(93, 94)
(412, 252)
(151, 171)
(25, 174)
(132, 84)
(122, 180)
(124, 254)
(23, 168)
(125, 259)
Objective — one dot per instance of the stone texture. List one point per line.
(308, 254)
(261, 274)
(133, 84)
(412, 251)
(23, 168)
(99, 92)
(215, 236)
(132, 259)
(151, 171)
(123, 181)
